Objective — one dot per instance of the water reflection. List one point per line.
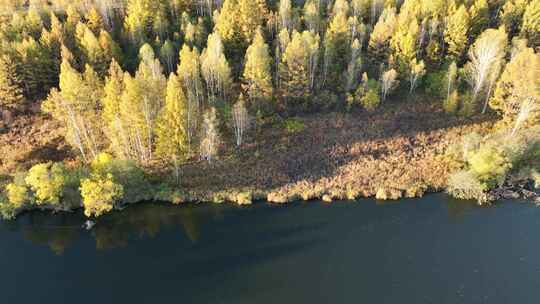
(146, 221)
(458, 209)
(60, 231)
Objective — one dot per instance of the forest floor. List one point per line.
(392, 153)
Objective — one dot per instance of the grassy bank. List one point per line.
(390, 154)
(396, 152)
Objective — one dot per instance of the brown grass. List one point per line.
(392, 153)
(341, 156)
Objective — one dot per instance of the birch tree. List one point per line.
(485, 56)
(167, 54)
(241, 120)
(417, 70)
(389, 82)
(527, 110)
(143, 98)
(354, 66)
(517, 93)
(215, 68)
(189, 71)
(257, 74)
(312, 17)
(76, 104)
(285, 15)
(451, 102)
(210, 136)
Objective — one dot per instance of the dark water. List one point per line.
(430, 250)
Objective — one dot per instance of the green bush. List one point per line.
(435, 84)
(371, 100)
(489, 165)
(488, 162)
(366, 95)
(324, 100)
(293, 125)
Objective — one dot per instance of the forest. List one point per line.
(241, 100)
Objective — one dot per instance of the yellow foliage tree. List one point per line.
(456, 31)
(519, 88)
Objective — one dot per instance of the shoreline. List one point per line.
(336, 156)
(397, 152)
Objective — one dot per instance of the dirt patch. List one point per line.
(31, 139)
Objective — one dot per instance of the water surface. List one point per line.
(429, 250)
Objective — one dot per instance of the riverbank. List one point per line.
(396, 152)
(393, 153)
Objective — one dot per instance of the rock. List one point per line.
(528, 194)
(509, 194)
(327, 198)
(89, 224)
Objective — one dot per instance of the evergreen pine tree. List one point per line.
(94, 20)
(10, 85)
(171, 141)
(299, 68)
(456, 32)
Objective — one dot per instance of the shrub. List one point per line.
(489, 165)
(47, 181)
(366, 95)
(435, 84)
(99, 194)
(464, 184)
(371, 100)
(7, 210)
(450, 104)
(125, 173)
(18, 193)
(468, 107)
(324, 100)
(293, 125)
(521, 148)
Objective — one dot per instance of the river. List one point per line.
(429, 250)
